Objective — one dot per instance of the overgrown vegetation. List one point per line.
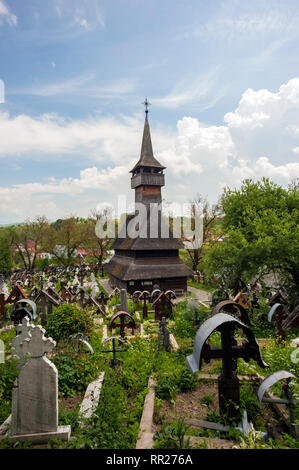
(69, 319)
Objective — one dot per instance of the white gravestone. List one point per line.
(35, 394)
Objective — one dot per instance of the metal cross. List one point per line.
(114, 361)
(146, 104)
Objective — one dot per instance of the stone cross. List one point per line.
(35, 393)
(17, 340)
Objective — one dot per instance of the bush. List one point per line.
(177, 379)
(76, 371)
(184, 316)
(68, 319)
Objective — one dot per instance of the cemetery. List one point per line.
(146, 370)
(143, 352)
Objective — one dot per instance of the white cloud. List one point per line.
(260, 138)
(6, 15)
(264, 108)
(197, 147)
(103, 139)
(41, 198)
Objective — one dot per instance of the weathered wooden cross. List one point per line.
(144, 296)
(135, 297)
(163, 306)
(122, 317)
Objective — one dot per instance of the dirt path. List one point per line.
(201, 295)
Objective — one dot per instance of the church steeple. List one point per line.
(143, 262)
(147, 175)
(147, 158)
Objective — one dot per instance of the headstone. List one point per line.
(124, 301)
(163, 335)
(35, 394)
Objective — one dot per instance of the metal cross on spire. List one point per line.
(146, 104)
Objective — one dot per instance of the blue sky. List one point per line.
(222, 77)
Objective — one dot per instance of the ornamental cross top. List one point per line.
(38, 344)
(146, 104)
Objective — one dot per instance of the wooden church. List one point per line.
(151, 260)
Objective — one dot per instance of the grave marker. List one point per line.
(163, 335)
(124, 300)
(122, 317)
(114, 362)
(35, 394)
(229, 352)
(162, 306)
(144, 296)
(289, 401)
(17, 340)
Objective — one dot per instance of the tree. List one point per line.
(262, 224)
(96, 243)
(65, 238)
(211, 231)
(5, 252)
(27, 240)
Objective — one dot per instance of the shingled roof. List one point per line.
(124, 242)
(138, 269)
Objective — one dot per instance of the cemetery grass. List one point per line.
(201, 402)
(199, 285)
(179, 395)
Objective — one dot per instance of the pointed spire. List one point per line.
(146, 147)
(146, 155)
